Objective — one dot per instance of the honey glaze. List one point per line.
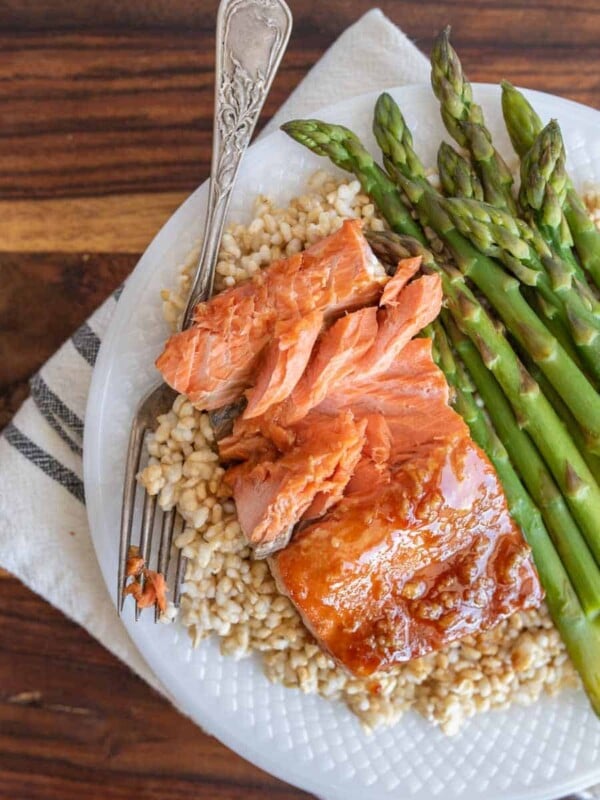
(412, 560)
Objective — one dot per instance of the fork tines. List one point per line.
(159, 400)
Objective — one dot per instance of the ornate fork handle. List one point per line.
(251, 38)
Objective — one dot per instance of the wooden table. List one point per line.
(105, 119)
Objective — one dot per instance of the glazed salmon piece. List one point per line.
(414, 308)
(406, 269)
(284, 360)
(334, 357)
(397, 570)
(215, 360)
(272, 495)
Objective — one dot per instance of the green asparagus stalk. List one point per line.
(457, 176)
(543, 190)
(530, 406)
(522, 121)
(496, 233)
(574, 552)
(577, 434)
(523, 125)
(499, 234)
(586, 235)
(544, 187)
(550, 314)
(500, 289)
(464, 121)
(345, 150)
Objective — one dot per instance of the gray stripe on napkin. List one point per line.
(56, 413)
(44, 461)
(87, 343)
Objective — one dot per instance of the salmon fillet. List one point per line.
(398, 569)
(421, 549)
(214, 361)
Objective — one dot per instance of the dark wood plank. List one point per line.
(63, 289)
(104, 127)
(92, 728)
(95, 113)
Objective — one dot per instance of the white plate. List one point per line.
(542, 751)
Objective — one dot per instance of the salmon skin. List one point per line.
(214, 361)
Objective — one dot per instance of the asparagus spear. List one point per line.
(457, 176)
(531, 408)
(522, 122)
(544, 186)
(345, 150)
(577, 434)
(464, 121)
(523, 126)
(574, 553)
(504, 236)
(555, 325)
(500, 289)
(544, 190)
(496, 233)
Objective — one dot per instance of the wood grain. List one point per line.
(105, 125)
(85, 224)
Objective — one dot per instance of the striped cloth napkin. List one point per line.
(44, 534)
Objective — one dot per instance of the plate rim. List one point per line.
(160, 666)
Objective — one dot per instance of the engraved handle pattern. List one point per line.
(251, 38)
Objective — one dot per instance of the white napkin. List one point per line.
(44, 534)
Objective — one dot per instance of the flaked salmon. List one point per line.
(284, 360)
(334, 358)
(411, 395)
(214, 361)
(358, 349)
(273, 494)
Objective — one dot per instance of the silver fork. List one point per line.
(251, 38)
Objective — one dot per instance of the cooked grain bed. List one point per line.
(227, 593)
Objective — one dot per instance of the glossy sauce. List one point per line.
(426, 556)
